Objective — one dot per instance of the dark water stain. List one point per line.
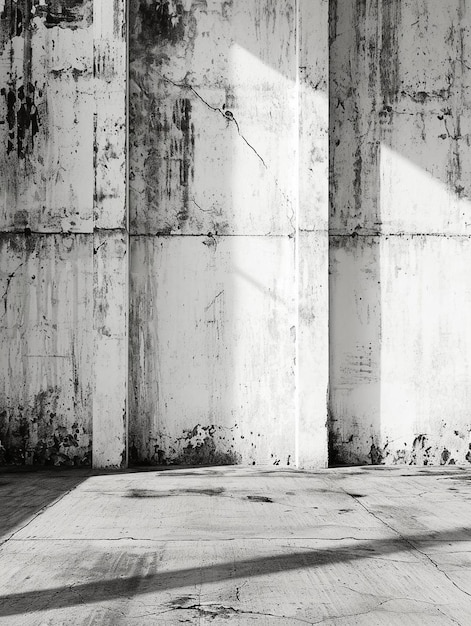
(150, 493)
(226, 9)
(161, 21)
(55, 444)
(389, 58)
(376, 455)
(11, 23)
(145, 493)
(259, 499)
(202, 446)
(15, 19)
(206, 453)
(22, 118)
(169, 161)
(184, 151)
(66, 13)
(333, 20)
(445, 456)
(216, 491)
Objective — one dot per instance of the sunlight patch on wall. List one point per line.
(414, 199)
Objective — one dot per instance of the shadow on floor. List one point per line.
(26, 491)
(106, 590)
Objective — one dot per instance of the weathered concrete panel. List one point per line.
(46, 182)
(354, 120)
(355, 347)
(62, 172)
(313, 114)
(426, 350)
(110, 299)
(212, 336)
(46, 115)
(400, 345)
(400, 148)
(110, 126)
(400, 219)
(213, 117)
(228, 168)
(312, 358)
(46, 364)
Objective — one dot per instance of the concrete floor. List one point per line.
(370, 546)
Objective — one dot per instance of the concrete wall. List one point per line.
(228, 222)
(228, 226)
(62, 232)
(228, 232)
(399, 232)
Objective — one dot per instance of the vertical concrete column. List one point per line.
(46, 232)
(110, 236)
(312, 233)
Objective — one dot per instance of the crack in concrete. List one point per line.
(413, 546)
(213, 610)
(393, 599)
(239, 588)
(213, 301)
(227, 115)
(230, 116)
(449, 617)
(5, 294)
(359, 614)
(201, 208)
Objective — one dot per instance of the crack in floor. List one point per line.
(213, 610)
(412, 545)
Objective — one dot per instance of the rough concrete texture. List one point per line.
(354, 547)
(62, 181)
(228, 161)
(400, 225)
(47, 349)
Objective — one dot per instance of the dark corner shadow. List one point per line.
(106, 590)
(25, 491)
